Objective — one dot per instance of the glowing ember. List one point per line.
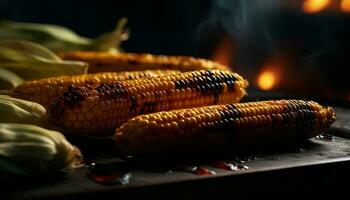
(345, 6)
(224, 51)
(315, 6)
(266, 80)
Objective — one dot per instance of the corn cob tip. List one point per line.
(331, 115)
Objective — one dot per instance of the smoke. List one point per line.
(311, 44)
(245, 21)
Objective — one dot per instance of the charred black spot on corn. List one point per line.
(112, 104)
(220, 128)
(208, 83)
(71, 99)
(109, 91)
(74, 96)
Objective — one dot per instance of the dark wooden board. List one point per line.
(315, 162)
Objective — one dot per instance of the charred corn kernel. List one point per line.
(50, 88)
(130, 98)
(224, 128)
(27, 149)
(102, 61)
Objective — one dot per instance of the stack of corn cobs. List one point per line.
(150, 105)
(166, 105)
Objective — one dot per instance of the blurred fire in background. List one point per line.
(267, 80)
(314, 6)
(297, 47)
(345, 6)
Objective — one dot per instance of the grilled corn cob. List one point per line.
(223, 128)
(101, 109)
(102, 61)
(43, 91)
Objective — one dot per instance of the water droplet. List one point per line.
(107, 175)
(325, 138)
(232, 165)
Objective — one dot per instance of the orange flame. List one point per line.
(267, 80)
(315, 6)
(224, 51)
(345, 6)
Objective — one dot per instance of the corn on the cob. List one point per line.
(223, 128)
(43, 91)
(102, 61)
(101, 109)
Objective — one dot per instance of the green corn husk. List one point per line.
(29, 149)
(13, 110)
(31, 61)
(58, 38)
(9, 80)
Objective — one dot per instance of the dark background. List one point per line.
(311, 50)
(157, 26)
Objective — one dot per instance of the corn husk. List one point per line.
(31, 61)
(58, 38)
(13, 110)
(9, 80)
(29, 149)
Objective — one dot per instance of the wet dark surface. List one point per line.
(321, 164)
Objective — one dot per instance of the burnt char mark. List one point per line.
(98, 64)
(230, 112)
(74, 96)
(133, 101)
(132, 62)
(231, 106)
(305, 118)
(218, 89)
(305, 129)
(208, 83)
(71, 98)
(148, 107)
(293, 106)
(286, 117)
(133, 105)
(108, 86)
(109, 91)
